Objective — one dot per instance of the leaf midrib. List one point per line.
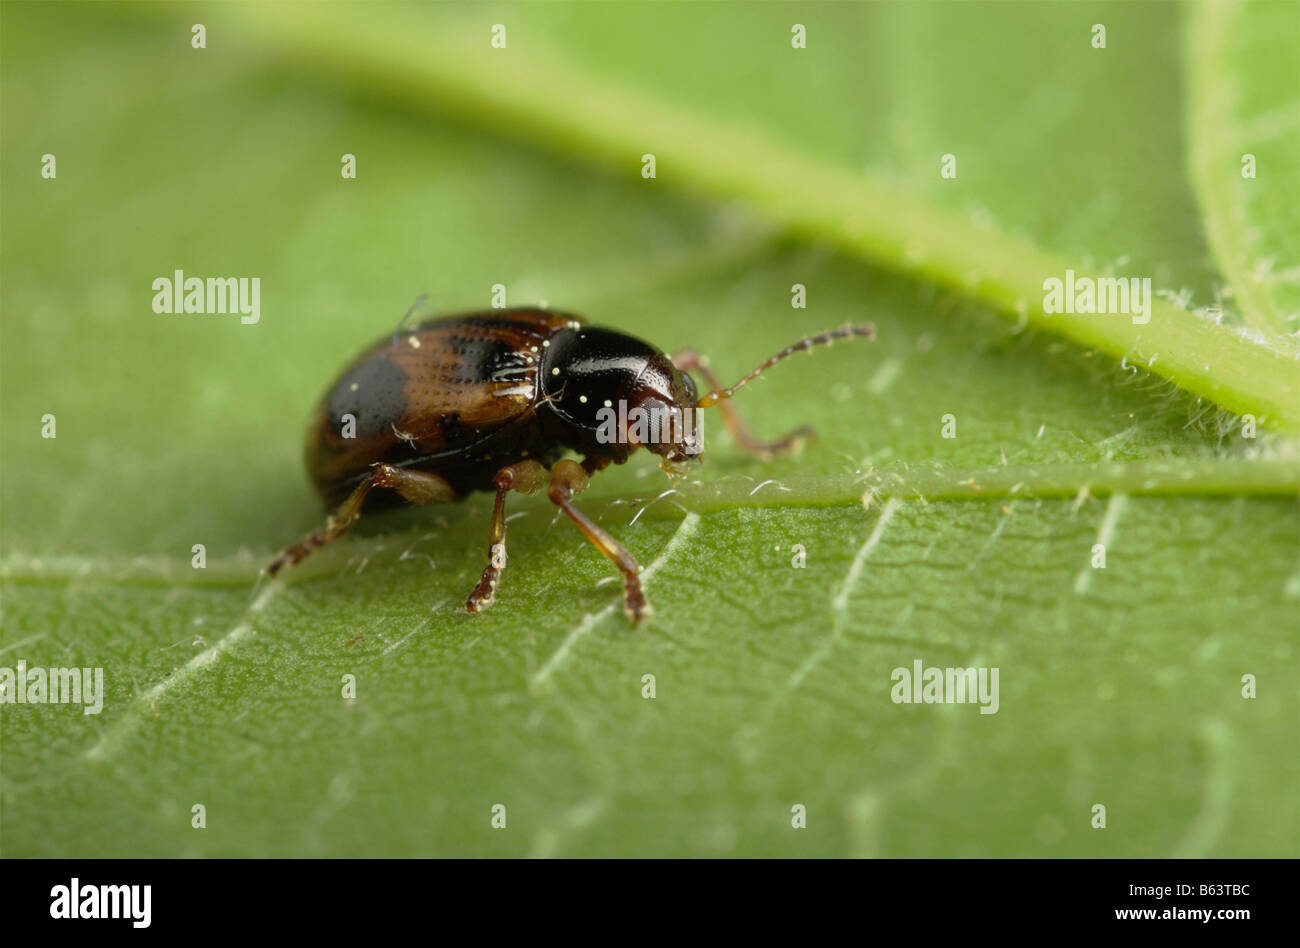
(543, 98)
(1174, 477)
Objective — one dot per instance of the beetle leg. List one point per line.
(567, 479)
(688, 360)
(416, 486)
(526, 477)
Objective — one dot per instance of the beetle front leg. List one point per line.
(688, 360)
(417, 487)
(567, 479)
(526, 477)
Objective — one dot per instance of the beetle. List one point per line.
(492, 401)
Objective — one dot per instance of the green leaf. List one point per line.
(868, 211)
(1244, 116)
(1119, 686)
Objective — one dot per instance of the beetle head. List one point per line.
(609, 393)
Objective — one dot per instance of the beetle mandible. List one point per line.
(492, 401)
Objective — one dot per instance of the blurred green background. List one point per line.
(478, 166)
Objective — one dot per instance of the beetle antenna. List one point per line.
(862, 330)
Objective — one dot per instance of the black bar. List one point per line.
(216, 897)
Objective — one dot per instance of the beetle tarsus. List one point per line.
(635, 606)
(792, 442)
(484, 593)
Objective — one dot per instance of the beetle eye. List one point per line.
(688, 383)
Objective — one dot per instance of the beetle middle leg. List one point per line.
(569, 478)
(526, 477)
(688, 360)
(417, 487)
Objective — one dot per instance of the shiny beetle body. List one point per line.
(463, 396)
(492, 401)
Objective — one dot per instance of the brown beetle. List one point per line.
(491, 401)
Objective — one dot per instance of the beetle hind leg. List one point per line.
(417, 487)
(526, 477)
(688, 360)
